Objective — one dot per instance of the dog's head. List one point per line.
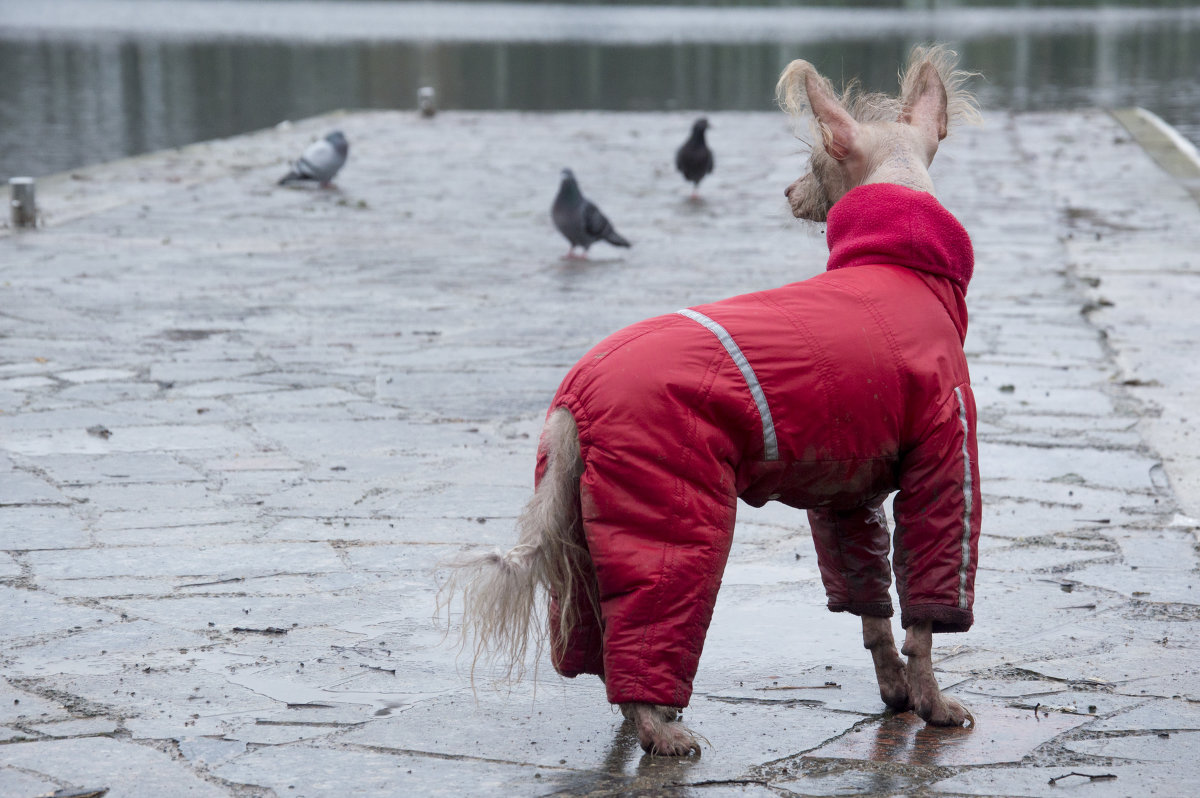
(862, 137)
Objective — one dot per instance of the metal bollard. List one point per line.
(427, 101)
(24, 207)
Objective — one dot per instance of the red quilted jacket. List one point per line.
(828, 395)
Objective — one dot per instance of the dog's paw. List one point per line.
(672, 740)
(944, 711)
(659, 730)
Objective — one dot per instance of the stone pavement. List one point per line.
(241, 426)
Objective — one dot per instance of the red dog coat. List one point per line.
(828, 395)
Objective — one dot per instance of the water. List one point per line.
(92, 80)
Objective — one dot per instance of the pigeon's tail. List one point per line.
(290, 177)
(615, 238)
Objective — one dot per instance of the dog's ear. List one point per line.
(925, 103)
(838, 128)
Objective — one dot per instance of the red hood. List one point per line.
(883, 223)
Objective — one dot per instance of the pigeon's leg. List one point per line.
(889, 667)
(927, 700)
(659, 730)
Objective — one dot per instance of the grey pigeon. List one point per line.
(579, 220)
(320, 161)
(694, 158)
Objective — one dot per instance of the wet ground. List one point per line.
(241, 426)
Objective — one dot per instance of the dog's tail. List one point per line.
(502, 591)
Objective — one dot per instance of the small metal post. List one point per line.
(427, 101)
(24, 207)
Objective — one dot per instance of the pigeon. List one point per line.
(320, 161)
(579, 220)
(694, 158)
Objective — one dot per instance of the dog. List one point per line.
(829, 395)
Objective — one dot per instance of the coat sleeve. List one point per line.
(938, 513)
(852, 553)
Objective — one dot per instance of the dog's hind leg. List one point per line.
(927, 700)
(890, 670)
(659, 730)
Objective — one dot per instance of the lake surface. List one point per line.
(92, 80)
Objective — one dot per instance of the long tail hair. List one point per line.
(502, 592)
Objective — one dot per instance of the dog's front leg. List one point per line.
(927, 700)
(659, 730)
(889, 668)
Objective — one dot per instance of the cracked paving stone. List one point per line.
(1157, 550)
(81, 727)
(209, 751)
(1033, 782)
(844, 687)
(23, 488)
(1039, 559)
(1135, 669)
(102, 761)
(30, 615)
(256, 462)
(24, 707)
(116, 468)
(95, 375)
(1085, 703)
(312, 770)
(127, 439)
(573, 723)
(1157, 714)
(9, 567)
(187, 563)
(853, 782)
(1179, 585)
(1001, 734)
(14, 782)
(101, 649)
(1165, 747)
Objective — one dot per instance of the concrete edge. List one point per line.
(73, 204)
(1176, 155)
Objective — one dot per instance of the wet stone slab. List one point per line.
(817, 782)
(9, 567)
(96, 762)
(1165, 747)
(1159, 714)
(1001, 734)
(307, 770)
(14, 782)
(571, 726)
(1111, 781)
(75, 470)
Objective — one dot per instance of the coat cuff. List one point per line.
(870, 609)
(945, 618)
